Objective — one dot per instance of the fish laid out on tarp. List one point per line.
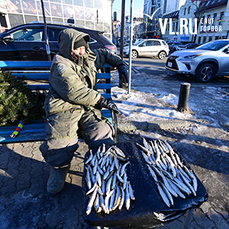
(148, 210)
(107, 181)
(172, 177)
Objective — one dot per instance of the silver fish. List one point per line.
(131, 191)
(117, 198)
(102, 204)
(92, 189)
(146, 158)
(123, 168)
(119, 151)
(114, 180)
(107, 173)
(107, 198)
(124, 181)
(153, 148)
(95, 167)
(88, 179)
(98, 155)
(98, 178)
(112, 199)
(166, 191)
(116, 162)
(153, 174)
(181, 186)
(163, 146)
(93, 160)
(97, 206)
(122, 199)
(100, 170)
(91, 201)
(127, 199)
(143, 148)
(119, 177)
(90, 157)
(145, 143)
(170, 186)
(163, 195)
(103, 150)
(108, 185)
(188, 184)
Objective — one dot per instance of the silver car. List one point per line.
(148, 48)
(204, 62)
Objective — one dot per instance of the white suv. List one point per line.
(204, 62)
(149, 48)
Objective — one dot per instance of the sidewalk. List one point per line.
(23, 176)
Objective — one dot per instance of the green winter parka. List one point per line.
(73, 86)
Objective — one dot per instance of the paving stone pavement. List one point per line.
(25, 204)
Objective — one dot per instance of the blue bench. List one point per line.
(37, 74)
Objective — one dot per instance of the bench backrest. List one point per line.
(37, 74)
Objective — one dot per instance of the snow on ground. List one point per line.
(143, 106)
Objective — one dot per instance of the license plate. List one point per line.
(170, 64)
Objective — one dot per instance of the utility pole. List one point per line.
(122, 28)
(130, 45)
(46, 33)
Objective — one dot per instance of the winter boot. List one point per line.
(57, 179)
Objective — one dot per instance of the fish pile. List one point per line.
(172, 177)
(107, 181)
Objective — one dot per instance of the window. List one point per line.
(67, 1)
(204, 39)
(148, 43)
(199, 40)
(184, 11)
(29, 34)
(208, 20)
(78, 2)
(53, 34)
(221, 18)
(214, 18)
(210, 39)
(157, 43)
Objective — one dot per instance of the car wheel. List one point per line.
(134, 54)
(161, 55)
(205, 73)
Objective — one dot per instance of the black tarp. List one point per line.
(148, 210)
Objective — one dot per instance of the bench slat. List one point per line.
(33, 76)
(25, 64)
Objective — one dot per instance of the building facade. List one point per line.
(94, 14)
(213, 21)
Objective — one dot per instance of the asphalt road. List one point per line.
(156, 67)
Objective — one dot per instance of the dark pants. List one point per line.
(62, 134)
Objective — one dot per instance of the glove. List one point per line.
(105, 103)
(123, 76)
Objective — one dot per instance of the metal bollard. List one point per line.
(183, 97)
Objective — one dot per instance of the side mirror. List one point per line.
(6, 36)
(226, 51)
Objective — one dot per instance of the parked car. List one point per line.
(188, 46)
(149, 48)
(173, 46)
(26, 42)
(204, 62)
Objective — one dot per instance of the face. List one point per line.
(80, 51)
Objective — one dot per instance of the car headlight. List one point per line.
(192, 56)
